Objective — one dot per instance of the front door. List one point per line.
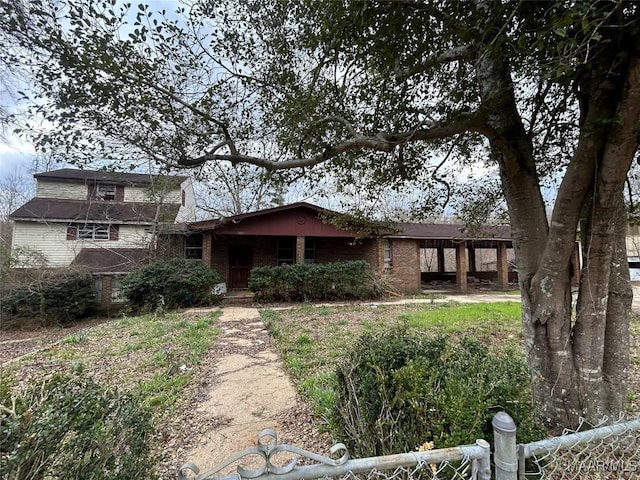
(240, 263)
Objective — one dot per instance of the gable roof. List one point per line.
(57, 210)
(92, 176)
(215, 222)
(296, 219)
(111, 260)
(418, 231)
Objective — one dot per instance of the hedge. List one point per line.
(311, 281)
(172, 283)
(57, 297)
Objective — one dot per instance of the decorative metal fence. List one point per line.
(603, 453)
(272, 461)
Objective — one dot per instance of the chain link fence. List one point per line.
(603, 453)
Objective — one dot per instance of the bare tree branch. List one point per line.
(452, 55)
(381, 142)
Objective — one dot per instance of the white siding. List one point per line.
(633, 245)
(51, 240)
(136, 194)
(53, 189)
(187, 212)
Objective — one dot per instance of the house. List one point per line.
(110, 223)
(305, 233)
(105, 221)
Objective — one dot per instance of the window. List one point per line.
(92, 231)
(116, 290)
(97, 288)
(286, 254)
(193, 246)
(387, 254)
(309, 250)
(106, 191)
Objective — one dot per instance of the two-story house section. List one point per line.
(105, 221)
(76, 209)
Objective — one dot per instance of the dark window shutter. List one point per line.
(119, 193)
(92, 190)
(184, 197)
(72, 232)
(114, 232)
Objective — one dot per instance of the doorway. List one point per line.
(240, 264)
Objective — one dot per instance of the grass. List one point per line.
(153, 356)
(479, 319)
(312, 341)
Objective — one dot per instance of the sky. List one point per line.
(16, 156)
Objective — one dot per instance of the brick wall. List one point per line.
(405, 270)
(340, 249)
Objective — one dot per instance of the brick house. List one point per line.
(107, 222)
(300, 233)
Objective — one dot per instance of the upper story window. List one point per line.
(106, 191)
(92, 231)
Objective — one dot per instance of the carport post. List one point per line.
(502, 266)
(461, 266)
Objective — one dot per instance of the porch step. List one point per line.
(238, 298)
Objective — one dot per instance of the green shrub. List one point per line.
(69, 427)
(169, 284)
(56, 297)
(315, 281)
(397, 391)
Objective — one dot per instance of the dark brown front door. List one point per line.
(240, 263)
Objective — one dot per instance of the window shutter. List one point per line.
(91, 192)
(72, 232)
(119, 193)
(184, 198)
(114, 232)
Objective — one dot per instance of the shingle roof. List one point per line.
(106, 176)
(450, 231)
(113, 260)
(426, 231)
(80, 210)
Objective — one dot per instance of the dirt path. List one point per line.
(250, 390)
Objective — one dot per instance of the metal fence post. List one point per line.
(505, 455)
(484, 463)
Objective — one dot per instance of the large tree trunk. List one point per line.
(578, 363)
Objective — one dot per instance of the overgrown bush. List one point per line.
(169, 283)
(315, 281)
(397, 391)
(69, 427)
(56, 297)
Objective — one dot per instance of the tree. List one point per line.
(15, 189)
(389, 92)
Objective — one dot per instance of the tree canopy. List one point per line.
(385, 93)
